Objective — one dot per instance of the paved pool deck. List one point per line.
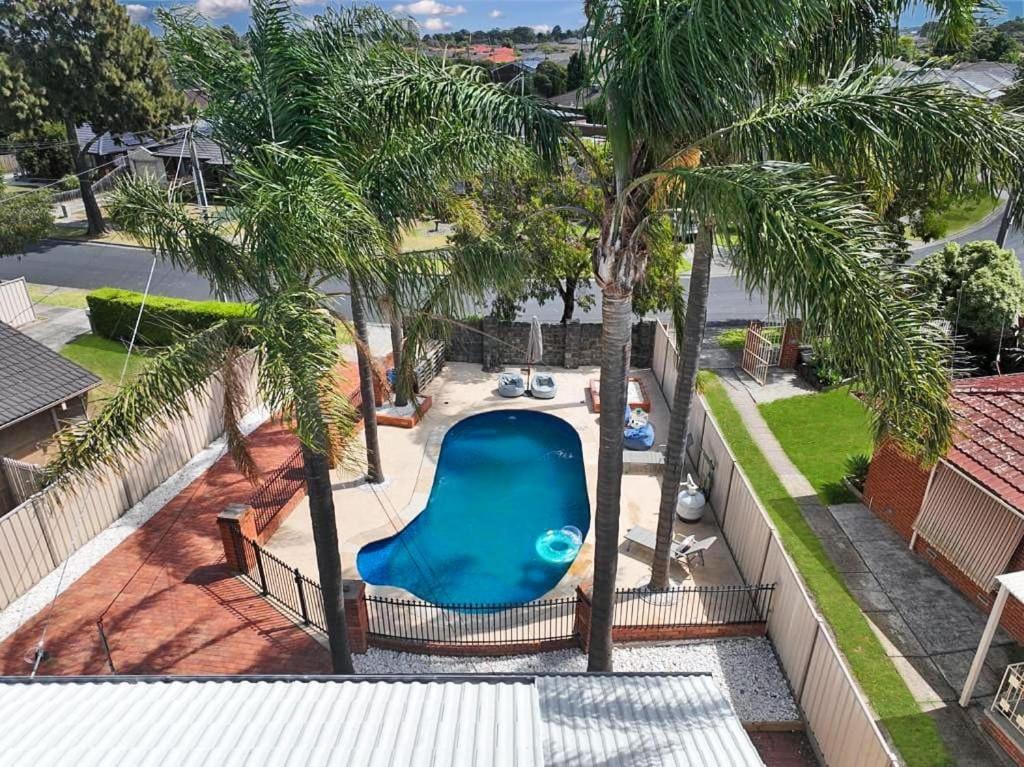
(367, 512)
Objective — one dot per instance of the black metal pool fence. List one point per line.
(413, 621)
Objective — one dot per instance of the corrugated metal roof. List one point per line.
(504, 721)
(33, 377)
(641, 719)
(271, 722)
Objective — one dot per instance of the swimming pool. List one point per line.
(504, 479)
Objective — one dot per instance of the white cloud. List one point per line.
(541, 28)
(214, 8)
(495, 14)
(429, 8)
(436, 24)
(138, 13)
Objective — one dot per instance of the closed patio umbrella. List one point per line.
(534, 350)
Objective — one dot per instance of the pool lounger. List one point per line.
(511, 385)
(543, 386)
(683, 548)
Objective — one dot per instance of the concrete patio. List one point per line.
(367, 513)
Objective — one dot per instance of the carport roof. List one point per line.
(990, 444)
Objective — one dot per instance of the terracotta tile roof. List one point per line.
(990, 445)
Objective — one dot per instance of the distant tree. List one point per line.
(575, 74)
(906, 49)
(978, 287)
(990, 44)
(78, 62)
(556, 32)
(549, 79)
(25, 218)
(523, 35)
(1015, 93)
(44, 152)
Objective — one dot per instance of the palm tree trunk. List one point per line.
(328, 557)
(682, 398)
(616, 314)
(83, 164)
(368, 407)
(397, 344)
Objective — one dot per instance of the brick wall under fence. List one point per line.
(576, 344)
(838, 716)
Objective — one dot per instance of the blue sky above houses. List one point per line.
(432, 15)
(449, 15)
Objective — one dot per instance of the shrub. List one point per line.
(164, 321)
(43, 153)
(25, 218)
(69, 183)
(857, 469)
(978, 286)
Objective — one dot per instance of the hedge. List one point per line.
(113, 312)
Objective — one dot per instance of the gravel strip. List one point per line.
(746, 669)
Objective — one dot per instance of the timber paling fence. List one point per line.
(838, 715)
(542, 623)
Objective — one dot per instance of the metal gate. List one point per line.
(762, 349)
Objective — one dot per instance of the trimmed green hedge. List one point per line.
(164, 320)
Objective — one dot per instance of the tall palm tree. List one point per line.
(294, 218)
(734, 117)
(352, 85)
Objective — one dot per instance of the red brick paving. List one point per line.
(172, 606)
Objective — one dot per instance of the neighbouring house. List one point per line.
(40, 392)
(523, 720)
(965, 515)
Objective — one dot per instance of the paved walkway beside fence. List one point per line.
(168, 601)
(928, 628)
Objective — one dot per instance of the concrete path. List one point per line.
(928, 628)
(55, 326)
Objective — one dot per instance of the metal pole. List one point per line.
(983, 645)
(197, 176)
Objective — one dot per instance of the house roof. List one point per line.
(501, 720)
(108, 144)
(983, 79)
(206, 149)
(34, 378)
(989, 447)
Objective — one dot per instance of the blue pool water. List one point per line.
(504, 479)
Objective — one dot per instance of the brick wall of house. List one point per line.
(1013, 613)
(895, 487)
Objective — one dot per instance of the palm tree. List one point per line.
(293, 218)
(734, 118)
(352, 85)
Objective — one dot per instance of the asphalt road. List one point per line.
(84, 265)
(988, 231)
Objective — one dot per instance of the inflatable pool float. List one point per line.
(560, 545)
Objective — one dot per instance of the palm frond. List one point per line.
(138, 414)
(817, 251)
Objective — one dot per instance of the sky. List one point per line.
(432, 15)
(449, 15)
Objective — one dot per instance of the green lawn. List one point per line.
(819, 432)
(736, 338)
(105, 358)
(968, 211)
(71, 298)
(913, 732)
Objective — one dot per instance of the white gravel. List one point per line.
(746, 669)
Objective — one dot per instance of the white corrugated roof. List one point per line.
(514, 721)
(641, 719)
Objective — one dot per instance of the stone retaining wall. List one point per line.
(496, 344)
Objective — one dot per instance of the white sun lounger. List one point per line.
(683, 547)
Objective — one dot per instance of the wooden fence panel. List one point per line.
(15, 306)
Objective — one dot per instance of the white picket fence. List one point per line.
(837, 713)
(38, 535)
